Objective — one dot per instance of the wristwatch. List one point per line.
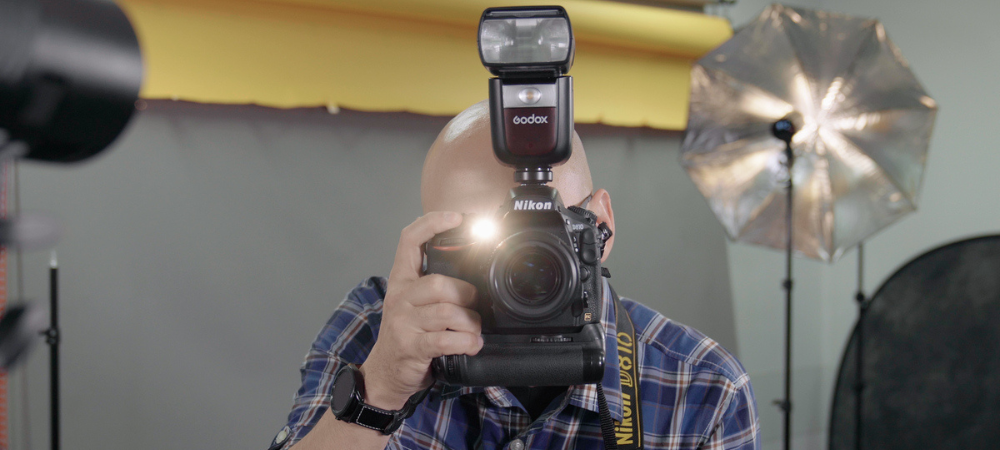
(347, 403)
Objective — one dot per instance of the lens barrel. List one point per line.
(533, 275)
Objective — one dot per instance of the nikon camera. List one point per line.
(537, 263)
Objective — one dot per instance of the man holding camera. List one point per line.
(692, 392)
(514, 317)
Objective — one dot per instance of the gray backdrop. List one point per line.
(206, 249)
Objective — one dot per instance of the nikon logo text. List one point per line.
(528, 205)
(532, 119)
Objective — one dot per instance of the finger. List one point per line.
(441, 343)
(437, 288)
(445, 316)
(409, 254)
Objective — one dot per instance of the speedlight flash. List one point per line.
(529, 49)
(484, 229)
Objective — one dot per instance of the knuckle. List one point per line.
(457, 315)
(409, 230)
(449, 311)
(440, 310)
(396, 293)
(470, 342)
(441, 341)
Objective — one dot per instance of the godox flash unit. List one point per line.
(537, 267)
(529, 49)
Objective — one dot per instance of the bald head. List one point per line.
(462, 174)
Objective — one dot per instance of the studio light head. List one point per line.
(70, 73)
(529, 49)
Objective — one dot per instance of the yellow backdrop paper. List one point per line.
(632, 62)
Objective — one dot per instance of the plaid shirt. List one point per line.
(695, 394)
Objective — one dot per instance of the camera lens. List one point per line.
(533, 276)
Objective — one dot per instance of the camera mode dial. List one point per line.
(586, 213)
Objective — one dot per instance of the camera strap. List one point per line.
(626, 435)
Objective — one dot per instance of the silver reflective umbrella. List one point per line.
(863, 124)
(808, 132)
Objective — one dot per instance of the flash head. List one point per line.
(527, 41)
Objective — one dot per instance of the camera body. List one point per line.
(540, 293)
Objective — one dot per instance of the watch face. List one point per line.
(343, 390)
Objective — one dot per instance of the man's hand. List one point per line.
(423, 317)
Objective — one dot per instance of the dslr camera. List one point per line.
(537, 263)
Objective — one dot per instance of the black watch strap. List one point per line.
(358, 412)
(377, 419)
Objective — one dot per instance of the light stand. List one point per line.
(52, 338)
(859, 383)
(784, 130)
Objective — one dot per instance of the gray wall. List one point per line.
(954, 49)
(203, 253)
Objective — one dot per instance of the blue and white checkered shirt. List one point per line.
(695, 394)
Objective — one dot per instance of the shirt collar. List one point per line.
(582, 396)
